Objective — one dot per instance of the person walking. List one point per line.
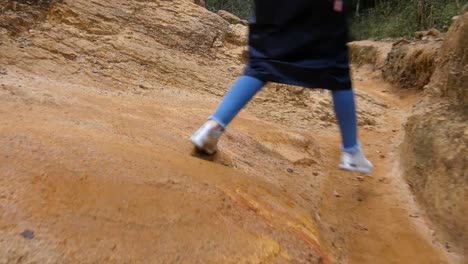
(301, 43)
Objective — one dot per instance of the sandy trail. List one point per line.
(105, 175)
(97, 102)
(377, 213)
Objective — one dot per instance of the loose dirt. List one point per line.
(96, 165)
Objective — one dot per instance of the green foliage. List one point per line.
(376, 18)
(241, 8)
(444, 13)
(385, 21)
(401, 18)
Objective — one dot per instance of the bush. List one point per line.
(241, 8)
(401, 18)
(376, 18)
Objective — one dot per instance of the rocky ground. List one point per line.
(99, 98)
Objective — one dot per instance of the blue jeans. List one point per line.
(245, 88)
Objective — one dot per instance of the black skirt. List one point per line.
(299, 42)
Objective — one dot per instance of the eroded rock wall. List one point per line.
(435, 153)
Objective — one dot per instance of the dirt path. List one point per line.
(106, 175)
(377, 214)
(97, 102)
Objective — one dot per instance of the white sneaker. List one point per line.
(207, 137)
(355, 162)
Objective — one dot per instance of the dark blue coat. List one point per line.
(299, 42)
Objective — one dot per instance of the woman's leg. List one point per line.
(353, 158)
(345, 110)
(243, 90)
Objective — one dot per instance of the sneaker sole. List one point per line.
(356, 169)
(202, 148)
